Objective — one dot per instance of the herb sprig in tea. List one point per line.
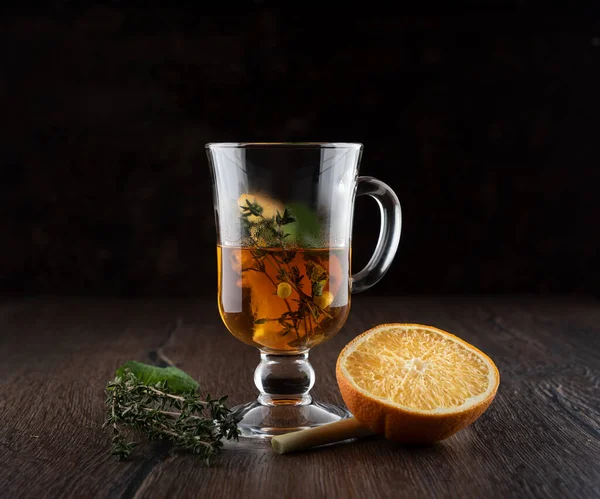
(263, 233)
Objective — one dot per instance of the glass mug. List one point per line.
(283, 215)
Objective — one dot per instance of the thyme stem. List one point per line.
(185, 419)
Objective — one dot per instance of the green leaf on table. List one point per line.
(177, 380)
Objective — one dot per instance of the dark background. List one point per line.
(485, 121)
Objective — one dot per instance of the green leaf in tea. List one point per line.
(305, 230)
(177, 380)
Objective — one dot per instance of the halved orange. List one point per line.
(415, 383)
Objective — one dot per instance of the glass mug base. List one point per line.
(284, 404)
(257, 420)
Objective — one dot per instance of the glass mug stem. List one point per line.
(284, 379)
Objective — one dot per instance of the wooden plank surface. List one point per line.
(540, 438)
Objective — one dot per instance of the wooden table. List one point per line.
(540, 437)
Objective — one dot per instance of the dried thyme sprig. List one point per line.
(187, 420)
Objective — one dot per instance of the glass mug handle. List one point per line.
(389, 233)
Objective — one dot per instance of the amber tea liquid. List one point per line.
(283, 300)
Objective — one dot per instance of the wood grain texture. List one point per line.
(540, 437)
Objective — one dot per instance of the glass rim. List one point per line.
(283, 145)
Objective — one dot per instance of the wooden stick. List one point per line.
(320, 435)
